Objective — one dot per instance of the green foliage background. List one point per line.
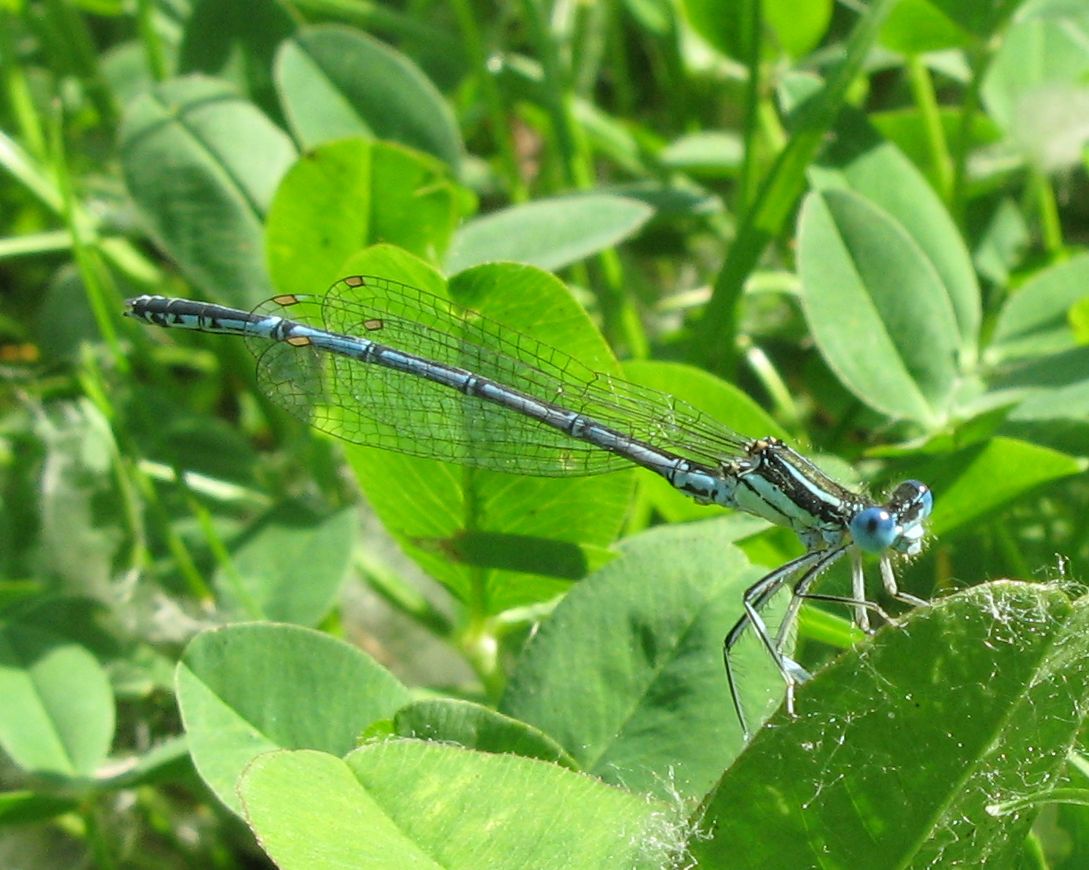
(226, 638)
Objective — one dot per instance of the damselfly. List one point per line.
(380, 363)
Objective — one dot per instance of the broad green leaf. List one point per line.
(705, 153)
(86, 621)
(877, 307)
(796, 28)
(981, 19)
(627, 672)
(1079, 320)
(903, 744)
(863, 163)
(1000, 236)
(201, 165)
(1072, 823)
(125, 70)
(436, 510)
(250, 688)
(58, 711)
(1036, 87)
(308, 810)
(345, 195)
(1057, 417)
(1022, 379)
(907, 129)
(979, 480)
(1050, 398)
(236, 42)
(789, 28)
(337, 82)
(656, 16)
(1035, 321)
(64, 318)
(722, 402)
(450, 720)
(77, 526)
(670, 201)
(919, 26)
(549, 234)
(406, 804)
(290, 565)
(191, 437)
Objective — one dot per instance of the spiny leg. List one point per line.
(858, 602)
(858, 589)
(891, 587)
(754, 599)
(801, 595)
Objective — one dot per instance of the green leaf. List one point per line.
(58, 711)
(64, 318)
(863, 163)
(1024, 379)
(790, 28)
(720, 401)
(706, 153)
(903, 744)
(201, 164)
(290, 565)
(796, 28)
(346, 195)
(187, 436)
(1035, 357)
(878, 309)
(1069, 402)
(549, 234)
(649, 709)
(1072, 824)
(918, 26)
(1000, 236)
(431, 507)
(308, 810)
(1079, 320)
(907, 129)
(980, 19)
(1035, 321)
(1050, 396)
(247, 689)
(450, 720)
(1035, 87)
(337, 82)
(236, 42)
(979, 480)
(413, 804)
(77, 526)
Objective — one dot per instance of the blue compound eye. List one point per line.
(924, 497)
(874, 529)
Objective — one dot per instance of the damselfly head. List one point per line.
(899, 524)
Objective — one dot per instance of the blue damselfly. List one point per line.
(380, 363)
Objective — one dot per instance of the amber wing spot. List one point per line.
(355, 281)
(373, 324)
(298, 341)
(286, 299)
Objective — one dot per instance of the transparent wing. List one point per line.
(381, 407)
